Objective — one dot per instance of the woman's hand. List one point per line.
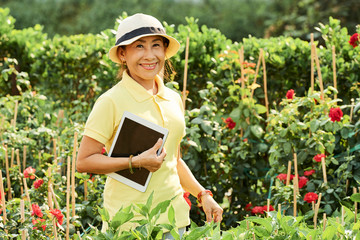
(212, 210)
(149, 159)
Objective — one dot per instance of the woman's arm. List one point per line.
(91, 160)
(189, 183)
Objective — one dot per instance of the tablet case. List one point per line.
(134, 136)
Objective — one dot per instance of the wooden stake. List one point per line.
(351, 109)
(22, 218)
(279, 208)
(268, 206)
(27, 193)
(85, 188)
(18, 163)
(288, 174)
(241, 58)
(296, 182)
(15, 113)
(247, 222)
(312, 62)
(319, 74)
(3, 204)
(257, 70)
(185, 72)
(50, 201)
(342, 215)
(68, 197)
(39, 156)
(54, 153)
(324, 170)
(295, 197)
(265, 86)
(73, 175)
(324, 221)
(12, 157)
(24, 157)
(54, 197)
(355, 206)
(334, 69)
(317, 210)
(7, 173)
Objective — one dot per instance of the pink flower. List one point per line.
(318, 157)
(354, 40)
(230, 123)
(309, 173)
(59, 216)
(257, 210)
(36, 210)
(335, 114)
(302, 181)
(38, 183)
(186, 196)
(290, 94)
(310, 197)
(29, 173)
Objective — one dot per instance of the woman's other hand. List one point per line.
(149, 159)
(212, 210)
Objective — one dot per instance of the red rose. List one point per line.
(354, 40)
(282, 177)
(59, 216)
(29, 173)
(310, 197)
(303, 181)
(318, 157)
(245, 140)
(186, 196)
(36, 210)
(248, 207)
(309, 173)
(230, 123)
(290, 94)
(38, 183)
(257, 210)
(271, 208)
(37, 222)
(335, 114)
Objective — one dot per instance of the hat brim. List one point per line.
(171, 50)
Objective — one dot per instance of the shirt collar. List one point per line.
(139, 92)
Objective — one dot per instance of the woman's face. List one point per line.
(144, 58)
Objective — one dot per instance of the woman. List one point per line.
(141, 48)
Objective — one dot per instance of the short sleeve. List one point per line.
(101, 121)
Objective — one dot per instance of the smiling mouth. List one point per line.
(149, 66)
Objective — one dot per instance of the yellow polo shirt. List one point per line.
(165, 109)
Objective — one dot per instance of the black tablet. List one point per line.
(134, 136)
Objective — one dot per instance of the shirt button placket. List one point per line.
(163, 118)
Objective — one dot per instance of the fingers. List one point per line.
(158, 144)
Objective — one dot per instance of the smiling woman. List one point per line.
(141, 49)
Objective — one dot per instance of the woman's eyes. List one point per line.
(154, 45)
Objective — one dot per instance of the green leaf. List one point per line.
(235, 114)
(171, 215)
(355, 197)
(260, 109)
(265, 222)
(329, 232)
(257, 131)
(314, 125)
(287, 147)
(161, 207)
(121, 217)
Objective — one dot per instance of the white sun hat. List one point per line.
(137, 26)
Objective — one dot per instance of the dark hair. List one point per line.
(169, 72)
